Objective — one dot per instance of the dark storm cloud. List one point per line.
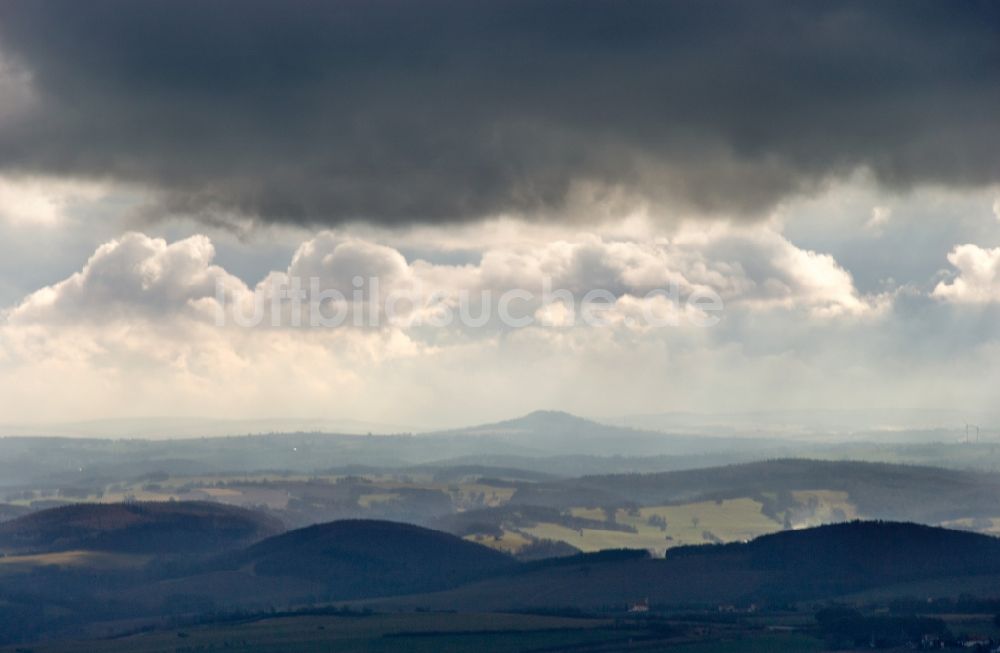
(401, 111)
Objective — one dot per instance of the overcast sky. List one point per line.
(830, 172)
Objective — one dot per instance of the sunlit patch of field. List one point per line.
(597, 514)
(221, 492)
(395, 480)
(408, 484)
(272, 490)
(96, 560)
(821, 507)
(368, 500)
(989, 525)
(137, 494)
(274, 498)
(491, 496)
(509, 542)
(206, 480)
(592, 539)
(692, 523)
(731, 520)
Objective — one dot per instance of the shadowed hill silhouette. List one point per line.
(360, 558)
(821, 563)
(149, 527)
(857, 554)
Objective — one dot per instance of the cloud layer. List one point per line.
(750, 269)
(134, 332)
(395, 112)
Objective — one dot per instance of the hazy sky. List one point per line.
(830, 172)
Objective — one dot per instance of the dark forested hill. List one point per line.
(393, 566)
(158, 527)
(840, 558)
(812, 564)
(8, 511)
(358, 558)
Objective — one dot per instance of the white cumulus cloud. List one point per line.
(133, 332)
(978, 278)
(134, 276)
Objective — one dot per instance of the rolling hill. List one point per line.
(389, 567)
(336, 561)
(840, 558)
(359, 558)
(155, 527)
(820, 563)
(726, 504)
(878, 490)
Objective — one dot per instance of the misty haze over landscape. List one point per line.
(563, 326)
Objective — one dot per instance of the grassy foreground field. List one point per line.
(427, 633)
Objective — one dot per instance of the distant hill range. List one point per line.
(884, 425)
(548, 442)
(558, 433)
(878, 490)
(168, 527)
(156, 428)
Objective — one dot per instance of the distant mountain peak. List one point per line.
(539, 419)
(550, 416)
(554, 432)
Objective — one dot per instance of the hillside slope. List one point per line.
(840, 558)
(818, 563)
(336, 561)
(156, 527)
(356, 558)
(879, 490)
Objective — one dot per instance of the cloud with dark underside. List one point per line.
(397, 112)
